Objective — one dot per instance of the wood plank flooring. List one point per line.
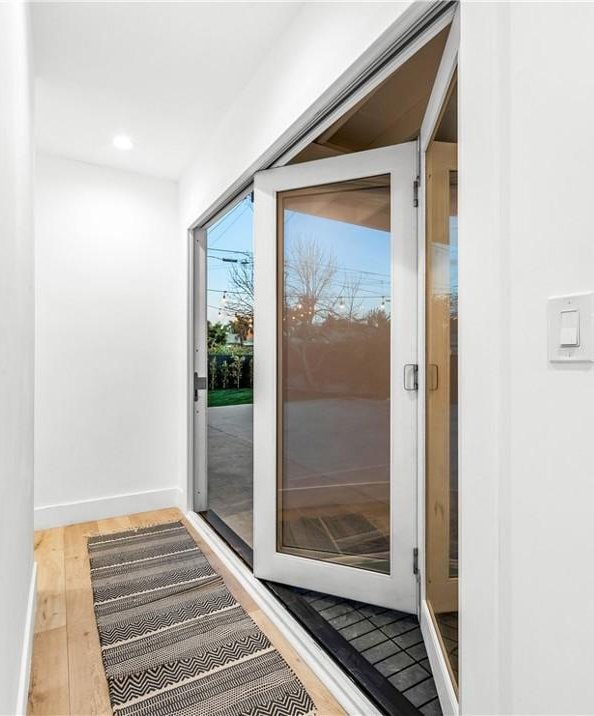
(67, 676)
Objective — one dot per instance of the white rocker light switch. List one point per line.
(571, 328)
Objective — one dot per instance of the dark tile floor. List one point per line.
(391, 641)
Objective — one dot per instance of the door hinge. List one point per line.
(416, 185)
(416, 560)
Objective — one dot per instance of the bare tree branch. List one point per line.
(240, 301)
(309, 271)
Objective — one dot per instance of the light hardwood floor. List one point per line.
(67, 674)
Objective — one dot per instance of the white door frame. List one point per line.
(198, 449)
(281, 157)
(288, 145)
(197, 453)
(399, 589)
(437, 659)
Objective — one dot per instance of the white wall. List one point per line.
(16, 351)
(526, 113)
(110, 355)
(527, 476)
(322, 41)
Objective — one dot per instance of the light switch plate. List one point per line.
(583, 303)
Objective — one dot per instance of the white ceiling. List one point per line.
(163, 72)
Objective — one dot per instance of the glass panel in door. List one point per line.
(230, 311)
(335, 426)
(335, 313)
(442, 394)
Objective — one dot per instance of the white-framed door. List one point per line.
(199, 362)
(266, 506)
(335, 428)
(221, 359)
(432, 562)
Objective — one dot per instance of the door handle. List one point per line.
(411, 376)
(433, 376)
(199, 384)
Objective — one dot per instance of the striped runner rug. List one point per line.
(173, 638)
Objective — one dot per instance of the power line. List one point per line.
(236, 219)
(231, 251)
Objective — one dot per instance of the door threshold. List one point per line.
(233, 540)
(296, 605)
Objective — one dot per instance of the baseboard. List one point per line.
(27, 652)
(441, 675)
(70, 513)
(346, 693)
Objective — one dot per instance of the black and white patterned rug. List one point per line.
(173, 638)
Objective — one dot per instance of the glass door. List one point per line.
(224, 369)
(335, 376)
(442, 392)
(230, 341)
(439, 198)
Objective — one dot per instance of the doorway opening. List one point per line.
(227, 255)
(306, 447)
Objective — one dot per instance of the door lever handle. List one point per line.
(199, 384)
(411, 376)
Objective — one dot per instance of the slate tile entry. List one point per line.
(378, 634)
(391, 641)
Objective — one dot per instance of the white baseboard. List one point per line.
(346, 693)
(102, 508)
(441, 675)
(27, 652)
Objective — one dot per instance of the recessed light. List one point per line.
(123, 142)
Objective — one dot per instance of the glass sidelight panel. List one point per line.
(335, 313)
(230, 310)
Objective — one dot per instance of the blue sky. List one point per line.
(360, 252)
(229, 238)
